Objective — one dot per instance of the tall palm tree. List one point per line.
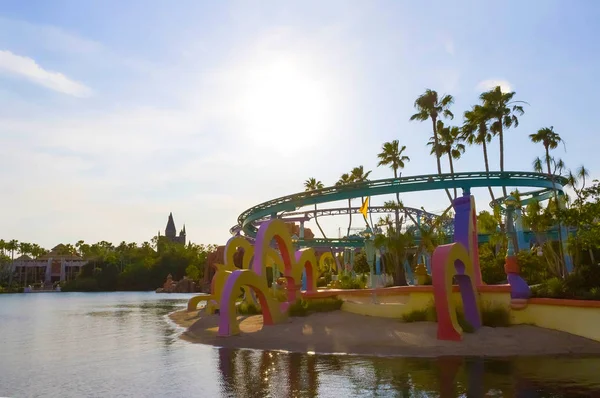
(430, 106)
(391, 155)
(550, 140)
(11, 246)
(475, 131)
(358, 174)
(502, 111)
(345, 179)
(449, 143)
(312, 185)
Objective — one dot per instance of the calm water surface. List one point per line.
(122, 344)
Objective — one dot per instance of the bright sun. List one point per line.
(283, 107)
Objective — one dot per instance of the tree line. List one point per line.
(126, 266)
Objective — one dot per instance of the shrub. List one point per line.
(583, 284)
(534, 269)
(299, 308)
(492, 316)
(246, 308)
(415, 316)
(492, 266)
(348, 282)
(324, 305)
(305, 307)
(80, 285)
(495, 316)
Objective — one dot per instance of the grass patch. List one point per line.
(492, 316)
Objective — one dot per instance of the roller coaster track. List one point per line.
(340, 211)
(465, 181)
(527, 197)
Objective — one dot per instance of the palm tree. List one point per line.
(312, 185)
(502, 111)
(391, 155)
(11, 246)
(550, 140)
(430, 106)
(358, 174)
(345, 179)
(449, 143)
(475, 131)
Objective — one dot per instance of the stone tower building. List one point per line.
(171, 232)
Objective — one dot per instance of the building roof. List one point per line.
(23, 257)
(58, 252)
(170, 231)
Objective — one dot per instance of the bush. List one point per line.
(492, 316)
(245, 308)
(492, 266)
(583, 284)
(347, 282)
(416, 316)
(495, 316)
(80, 285)
(299, 308)
(534, 269)
(306, 307)
(324, 305)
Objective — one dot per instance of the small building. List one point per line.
(55, 266)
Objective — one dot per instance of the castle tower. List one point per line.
(170, 231)
(182, 235)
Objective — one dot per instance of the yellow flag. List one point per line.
(364, 207)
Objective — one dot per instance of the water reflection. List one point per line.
(121, 344)
(248, 373)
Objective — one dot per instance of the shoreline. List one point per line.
(342, 333)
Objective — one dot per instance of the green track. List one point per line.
(464, 181)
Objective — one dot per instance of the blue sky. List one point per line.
(113, 114)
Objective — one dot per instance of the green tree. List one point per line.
(12, 246)
(345, 179)
(313, 185)
(550, 140)
(449, 143)
(430, 106)
(502, 111)
(475, 131)
(392, 155)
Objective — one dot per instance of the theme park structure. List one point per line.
(266, 241)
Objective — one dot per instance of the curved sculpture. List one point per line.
(255, 278)
(449, 262)
(271, 310)
(465, 231)
(323, 261)
(224, 270)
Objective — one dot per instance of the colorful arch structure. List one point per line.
(460, 261)
(225, 270)
(294, 264)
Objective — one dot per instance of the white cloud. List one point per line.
(489, 84)
(27, 67)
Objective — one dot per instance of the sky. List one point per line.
(114, 114)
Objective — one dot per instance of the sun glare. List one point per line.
(283, 107)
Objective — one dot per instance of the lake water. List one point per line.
(123, 345)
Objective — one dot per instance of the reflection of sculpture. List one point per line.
(459, 261)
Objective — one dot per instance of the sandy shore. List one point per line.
(342, 332)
